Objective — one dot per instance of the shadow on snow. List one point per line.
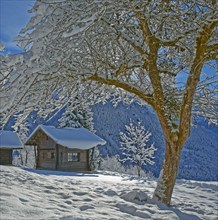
(58, 173)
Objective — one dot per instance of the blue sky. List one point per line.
(13, 17)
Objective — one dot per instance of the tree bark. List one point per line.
(21, 157)
(167, 179)
(26, 157)
(35, 153)
(138, 170)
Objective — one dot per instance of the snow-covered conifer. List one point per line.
(77, 115)
(95, 158)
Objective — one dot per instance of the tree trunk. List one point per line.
(167, 179)
(21, 157)
(35, 153)
(138, 170)
(26, 157)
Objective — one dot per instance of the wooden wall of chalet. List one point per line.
(5, 156)
(45, 145)
(55, 157)
(64, 164)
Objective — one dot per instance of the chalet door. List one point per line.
(5, 156)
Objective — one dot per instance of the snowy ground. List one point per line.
(34, 194)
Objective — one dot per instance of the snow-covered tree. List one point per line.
(77, 115)
(155, 52)
(135, 147)
(22, 130)
(95, 158)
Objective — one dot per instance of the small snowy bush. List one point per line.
(113, 164)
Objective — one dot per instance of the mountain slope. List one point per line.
(199, 157)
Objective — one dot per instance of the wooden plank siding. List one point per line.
(46, 147)
(64, 164)
(5, 156)
(52, 156)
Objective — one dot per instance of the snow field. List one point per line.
(39, 194)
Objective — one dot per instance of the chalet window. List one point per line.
(73, 157)
(51, 155)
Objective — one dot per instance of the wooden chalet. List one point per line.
(9, 141)
(65, 149)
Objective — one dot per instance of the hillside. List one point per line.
(39, 194)
(199, 157)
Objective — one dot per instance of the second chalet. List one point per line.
(9, 141)
(65, 149)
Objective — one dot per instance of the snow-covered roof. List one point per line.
(10, 139)
(79, 138)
